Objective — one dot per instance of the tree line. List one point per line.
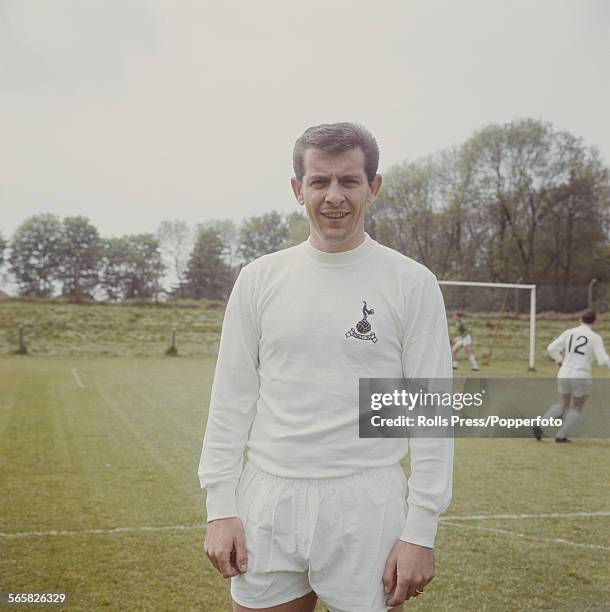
(48, 256)
(517, 202)
(521, 202)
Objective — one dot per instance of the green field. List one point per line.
(101, 497)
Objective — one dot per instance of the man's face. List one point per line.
(336, 193)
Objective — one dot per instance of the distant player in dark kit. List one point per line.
(463, 340)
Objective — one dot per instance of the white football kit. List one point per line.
(581, 346)
(301, 327)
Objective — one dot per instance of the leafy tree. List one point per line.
(132, 267)
(298, 229)
(542, 193)
(145, 267)
(175, 238)
(227, 232)
(3, 245)
(423, 211)
(80, 257)
(36, 254)
(208, 275)
(262, 234)
(114, 267)
(403, 213)
(520, 202)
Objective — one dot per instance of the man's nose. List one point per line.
(334, 194)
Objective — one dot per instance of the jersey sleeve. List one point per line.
(233, 401)
(599, 350)
(427, 355)
(554, 348)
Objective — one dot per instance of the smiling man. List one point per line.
(318, 511)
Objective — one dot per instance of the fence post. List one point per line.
(172, 351)
(21, 350)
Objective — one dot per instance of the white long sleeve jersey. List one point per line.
(581, 346)
(301, 327)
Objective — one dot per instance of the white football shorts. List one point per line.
(578, 387)
(330, 535)
(463, 341)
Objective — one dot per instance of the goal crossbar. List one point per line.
(530, 288)
(497, 285)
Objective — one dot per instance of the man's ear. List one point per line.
(374, 188)
(296, 188)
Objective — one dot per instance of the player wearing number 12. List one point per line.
(580, 347)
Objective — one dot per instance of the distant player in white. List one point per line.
(580, 347)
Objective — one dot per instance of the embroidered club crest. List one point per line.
(363, 327)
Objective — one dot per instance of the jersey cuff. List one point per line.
(420, 527)
(220, 501)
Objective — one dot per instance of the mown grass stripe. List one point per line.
(483, 517)
(60, 532)
(524, 536)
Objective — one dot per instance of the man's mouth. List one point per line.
(335, 214)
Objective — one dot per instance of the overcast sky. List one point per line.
(131, 112)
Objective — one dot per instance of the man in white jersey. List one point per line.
(580, 347)
(318, 511)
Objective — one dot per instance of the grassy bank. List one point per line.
(55, 328)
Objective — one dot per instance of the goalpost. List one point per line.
(532, 290)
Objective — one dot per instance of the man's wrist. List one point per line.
(220, 501)
(223, 518)
(418, 545)
(420, 526)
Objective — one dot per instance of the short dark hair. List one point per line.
(336, 138)
(588, 316)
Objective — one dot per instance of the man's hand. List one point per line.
(409, 569)
(225, 546)
(558, 363)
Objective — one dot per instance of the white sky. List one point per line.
(134, 111)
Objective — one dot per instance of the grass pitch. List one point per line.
(119, 455)
(100, 439)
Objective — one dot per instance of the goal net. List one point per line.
(500, 316)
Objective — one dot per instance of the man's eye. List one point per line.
(316, 183)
